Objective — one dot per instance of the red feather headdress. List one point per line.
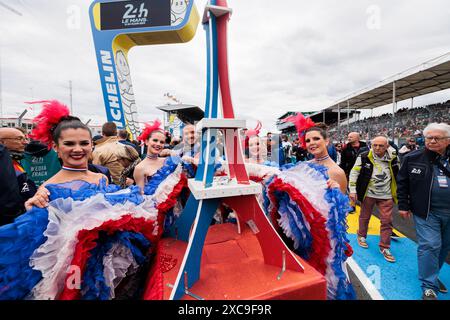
(45, 123)
(255, 131)
(149, 128)
(301, 124)
(252, 133)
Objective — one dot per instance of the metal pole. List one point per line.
(394, 107)
(165, 126)
(323, 116)
(348, 116)
(368, 127)
(10, 8)
(19, 120)
(70, 90)
(339, 121)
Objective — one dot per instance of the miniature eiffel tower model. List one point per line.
(206, 191)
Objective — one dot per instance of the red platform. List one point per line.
(233, 268)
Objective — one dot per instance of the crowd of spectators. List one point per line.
(408, 122)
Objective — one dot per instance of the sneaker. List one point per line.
(394, 235)
(387, 254)
(362, 242)
(442, 287)
(429, 294)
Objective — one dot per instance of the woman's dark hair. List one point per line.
(68, 122)
(319, 127)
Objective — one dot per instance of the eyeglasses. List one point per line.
(18, 139)
(437, 139)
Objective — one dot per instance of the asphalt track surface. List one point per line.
(407, 231)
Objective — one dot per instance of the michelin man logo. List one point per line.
(126, 92)
(178, 11)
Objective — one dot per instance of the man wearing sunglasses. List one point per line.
(423, 192)
(409, 146)
(13, 142)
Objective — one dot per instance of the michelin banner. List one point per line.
(118, 26)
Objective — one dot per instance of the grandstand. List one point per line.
(429, 77)
(407, 122)
(343, 116)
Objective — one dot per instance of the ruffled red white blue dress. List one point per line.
(92, 242)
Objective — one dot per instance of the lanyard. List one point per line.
(443, 167)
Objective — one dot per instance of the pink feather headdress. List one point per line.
(149, 128)
(51, 115)
(301, 124)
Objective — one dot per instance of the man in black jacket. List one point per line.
(14, 180)
(350, 152)
(11, 204)
(424, 190)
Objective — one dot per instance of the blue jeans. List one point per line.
(433, 237)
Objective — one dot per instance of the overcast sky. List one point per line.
(289, 55)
